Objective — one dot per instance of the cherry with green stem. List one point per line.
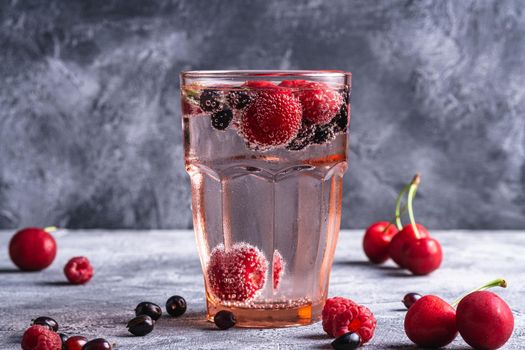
(432, 322)
(484, 320)
(376, 240)
(421, 255)
(407, 233)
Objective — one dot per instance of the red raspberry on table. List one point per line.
(78, 270)
(341, 315)
(41, 338)
(320, 102)
(32, 249)
(272, 119)
(237, 274)
(277, 269)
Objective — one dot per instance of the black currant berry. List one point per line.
(176, 306)
(348, 341)
(340, 121)
(97, 344)
(150, 309)
(303, 138)
(210, 101)
(410, 299)
(323, 133)
(224, 319)
(141, 325)
(238, 99)
(220, 120)
(47, 322)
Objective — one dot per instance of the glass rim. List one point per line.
(264, 73)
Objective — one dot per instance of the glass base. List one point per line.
(270, 315)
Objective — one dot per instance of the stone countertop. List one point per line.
(133, 266)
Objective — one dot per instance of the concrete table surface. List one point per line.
(134, 266)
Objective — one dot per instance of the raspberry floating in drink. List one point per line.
(320, 103)
(277, 269)
(237, 274)
(273, 119)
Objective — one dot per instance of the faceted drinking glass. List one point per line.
(266, 152)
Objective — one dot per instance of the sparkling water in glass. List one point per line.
(266, 152)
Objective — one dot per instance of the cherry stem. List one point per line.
(390, 223)
(411, 194)
(399, 224)
(50, 229)
(499, 282)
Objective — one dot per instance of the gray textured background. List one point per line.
(89, 117)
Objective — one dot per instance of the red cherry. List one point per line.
(376, 240)
(431, 322)
(32, 249)
(422, 256)
(75, 343)
(397, 245)
(484, 320)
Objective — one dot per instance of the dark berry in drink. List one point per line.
(210, 101)
(220, 120)
(47, 322)
(150, 309)
(348, 341)
(97, 344)
(303, 138)
(141, 325)
(340, 121)
(323, 134)
(238, 99)
(176, 306)
(224, 319)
